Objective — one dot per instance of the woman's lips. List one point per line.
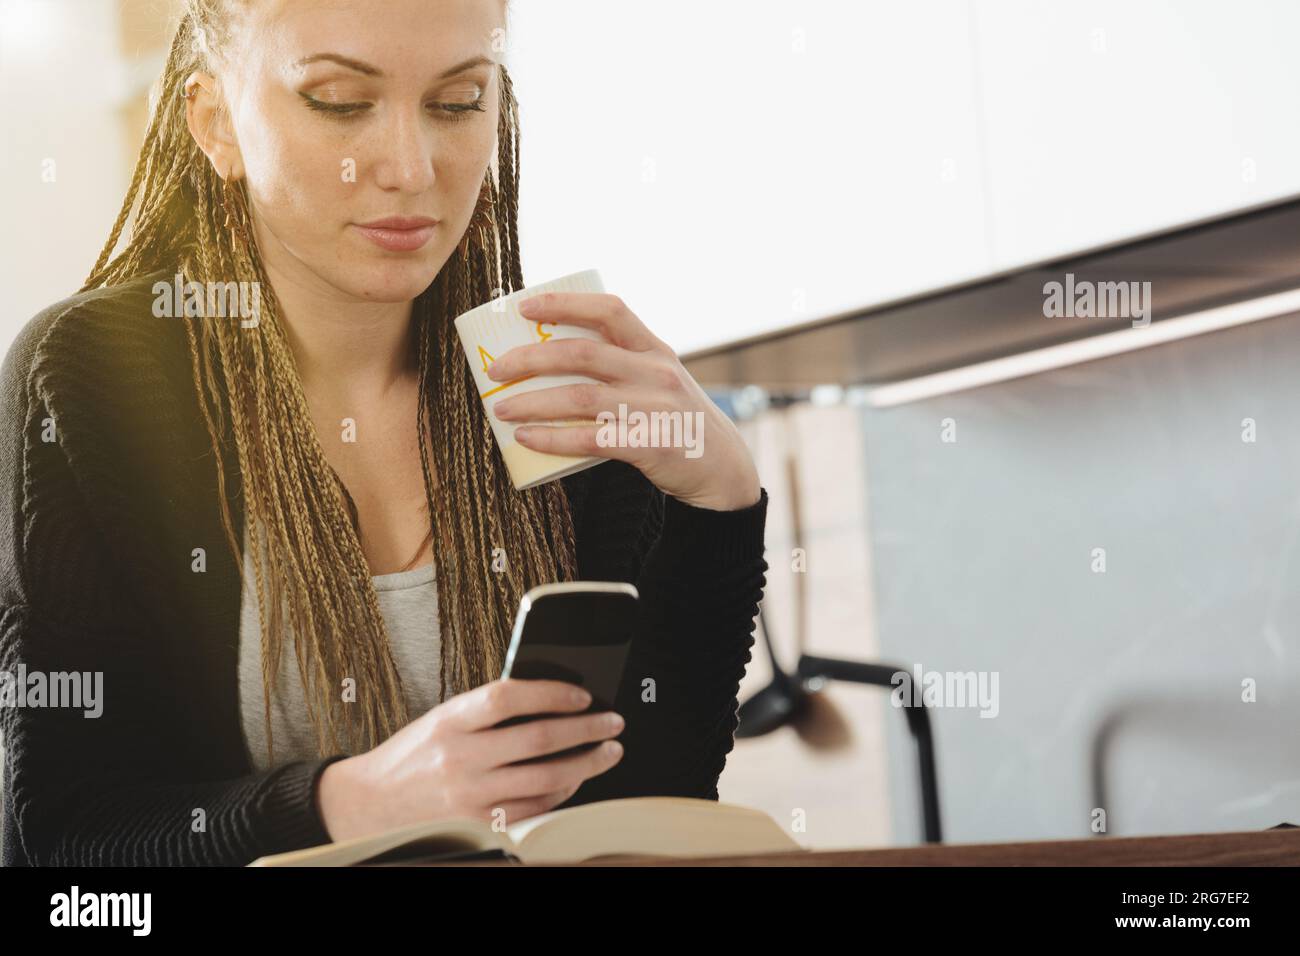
(398, 235)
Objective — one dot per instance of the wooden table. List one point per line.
(1254, 848)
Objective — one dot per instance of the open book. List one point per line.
(656, 826)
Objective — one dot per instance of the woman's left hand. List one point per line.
(633, 367)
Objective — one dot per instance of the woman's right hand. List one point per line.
(454, 761)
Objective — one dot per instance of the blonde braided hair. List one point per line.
(308, 547)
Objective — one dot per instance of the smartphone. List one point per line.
(579, 632)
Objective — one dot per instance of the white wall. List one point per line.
(63, 83)
(983, 550)
(735, 166)
(1110, 119)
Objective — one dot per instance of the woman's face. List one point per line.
(350, 112)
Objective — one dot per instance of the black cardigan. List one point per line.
(99, 527)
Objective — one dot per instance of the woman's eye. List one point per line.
(452, 112)
(337, 109)
(455, 112)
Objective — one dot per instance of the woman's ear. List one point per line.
(209, 124)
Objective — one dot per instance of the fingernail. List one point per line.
(530, 306)
(502, 409)
(613, 747)
(581, 698)
(614, 722)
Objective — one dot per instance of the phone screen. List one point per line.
(578, 632)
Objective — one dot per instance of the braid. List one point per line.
(302, 528)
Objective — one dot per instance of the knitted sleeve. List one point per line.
(700, 575)
(94, 772)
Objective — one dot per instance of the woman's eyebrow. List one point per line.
(369, 70)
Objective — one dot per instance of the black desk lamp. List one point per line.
(785, 700)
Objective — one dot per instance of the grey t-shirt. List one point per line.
(408, 601)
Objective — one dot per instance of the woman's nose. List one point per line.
(406, 153)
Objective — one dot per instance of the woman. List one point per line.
(169, 470)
